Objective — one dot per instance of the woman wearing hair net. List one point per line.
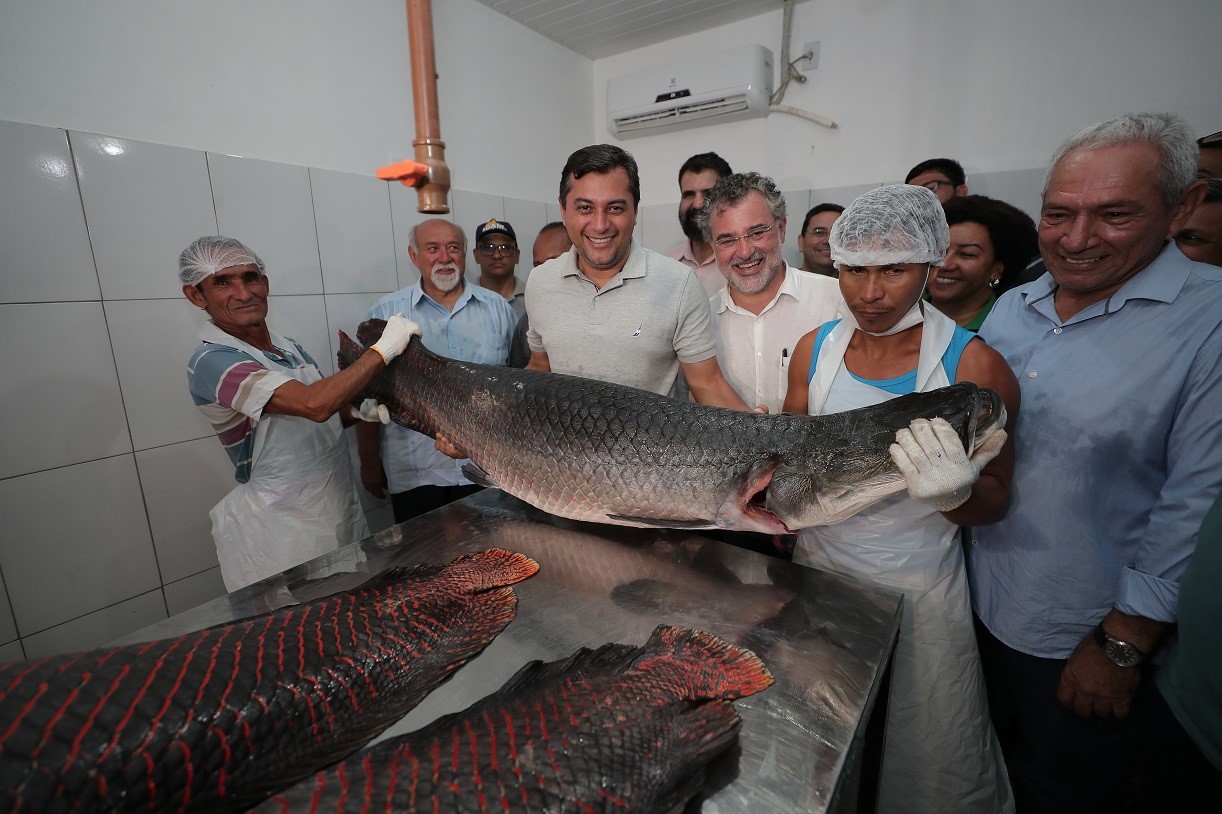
(280, 421)
(941, 753)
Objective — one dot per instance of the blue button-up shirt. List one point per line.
(478, 329)
(1118, 454)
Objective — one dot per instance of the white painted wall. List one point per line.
(308, 82)
(994, 83)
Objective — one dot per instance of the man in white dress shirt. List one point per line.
(767, 305)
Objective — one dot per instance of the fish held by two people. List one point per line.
(596, 451)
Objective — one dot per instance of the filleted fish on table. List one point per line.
(218, 719)
(591, 450)
(616, 729)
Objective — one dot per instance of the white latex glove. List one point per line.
(398, 332)
(372, 412)
(935, 464)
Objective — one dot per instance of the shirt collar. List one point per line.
(416, 295)
(1161, 281)
(686, 255)
(722, 301)
(633, 267)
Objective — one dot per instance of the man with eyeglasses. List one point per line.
(496, 254)
(812, 240)
(767, 305)
(942, 176)
(460, 321)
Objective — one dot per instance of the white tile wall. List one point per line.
(77, 539)
(181, 483)
(44, 248)
(657, 226)
(98, 540)
(8, 628)
(99, 627)
(796, 204)
(153, 340)
(60, 390)
(144, 203)
(526, 218)
(268, 207)
(355, 242)
(304, 319)
(1021, 188)
(194, 590)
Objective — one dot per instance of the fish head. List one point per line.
(850, 467)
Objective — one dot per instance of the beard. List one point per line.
(444, 282)
(757, 282)
(690, 228)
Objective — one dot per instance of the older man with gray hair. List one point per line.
(1119, 456)
(461, 321)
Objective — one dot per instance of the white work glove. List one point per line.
(398, 332)
(935, 464)
(373, 412)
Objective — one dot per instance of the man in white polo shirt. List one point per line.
(611, 309)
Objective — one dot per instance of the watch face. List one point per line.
(1122, 655)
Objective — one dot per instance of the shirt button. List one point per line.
(1032, 374)
(1056, 330)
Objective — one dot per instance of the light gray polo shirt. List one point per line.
(635, 331)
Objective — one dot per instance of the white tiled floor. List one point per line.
(44, 247)
(355, 242)
(144, 203)
(60, 391)
(77, 539)
(268, 207)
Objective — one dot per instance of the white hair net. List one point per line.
(209, 254)
(901, 223)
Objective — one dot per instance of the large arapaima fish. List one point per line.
(218, 719)
(616, 729)
(591, 450)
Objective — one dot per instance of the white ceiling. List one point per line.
(601, 28)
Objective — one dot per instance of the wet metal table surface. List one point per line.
(826, 639)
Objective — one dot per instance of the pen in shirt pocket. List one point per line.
(784, 357)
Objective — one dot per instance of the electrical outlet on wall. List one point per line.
(809, 63)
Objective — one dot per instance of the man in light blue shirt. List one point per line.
(1118, 353)
(459, 321)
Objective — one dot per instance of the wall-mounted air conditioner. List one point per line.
(722, 87)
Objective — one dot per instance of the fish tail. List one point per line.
(484, 570)
(349, 351)
(712, 667)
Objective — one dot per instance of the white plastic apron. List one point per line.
(941, 753)
(300, 500)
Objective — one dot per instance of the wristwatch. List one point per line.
(1122, 654)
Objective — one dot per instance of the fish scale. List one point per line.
(218, 719)
(619, 728)
(593, 450)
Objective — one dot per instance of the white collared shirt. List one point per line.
(754, 351)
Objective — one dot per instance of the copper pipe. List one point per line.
(433, 189)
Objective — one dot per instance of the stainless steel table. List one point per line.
(826, 639)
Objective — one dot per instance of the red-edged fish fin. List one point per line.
(713, 667)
